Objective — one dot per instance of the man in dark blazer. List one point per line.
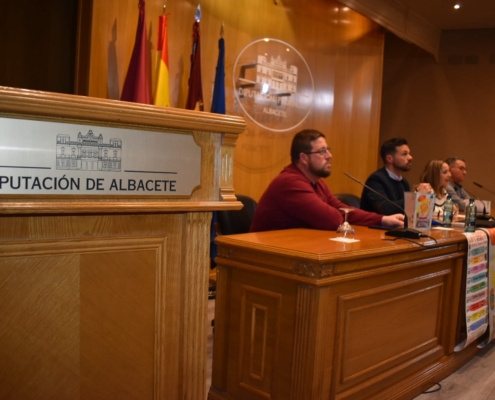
(388, 181)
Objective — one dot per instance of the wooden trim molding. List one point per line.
(56, 106)
(112, 207)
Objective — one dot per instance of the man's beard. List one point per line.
(321, 173)
(403, 168)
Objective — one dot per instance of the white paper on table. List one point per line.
(344, 240)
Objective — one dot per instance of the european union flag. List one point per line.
(218, 101)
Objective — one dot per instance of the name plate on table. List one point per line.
(51, 158)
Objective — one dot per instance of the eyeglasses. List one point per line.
(321, 152)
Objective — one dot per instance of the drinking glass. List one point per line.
(345, 230)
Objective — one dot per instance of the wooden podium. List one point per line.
(105, 295)
(299, 316)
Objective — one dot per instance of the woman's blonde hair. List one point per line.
(431, 175)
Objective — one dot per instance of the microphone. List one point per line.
(405, 232)
(484, 209)
(485, 215)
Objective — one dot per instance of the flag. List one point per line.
(137, 82)
(162, 95)
(217, 106)
(195, 92)
(218, 101)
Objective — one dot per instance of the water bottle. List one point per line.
(448, 211)
(470, 221)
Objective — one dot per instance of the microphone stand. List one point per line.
(405, 232)
(482, 187)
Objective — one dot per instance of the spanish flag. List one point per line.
(162, 95)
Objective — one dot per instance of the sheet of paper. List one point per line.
(345, 240)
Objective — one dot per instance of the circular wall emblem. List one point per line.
(273, 84)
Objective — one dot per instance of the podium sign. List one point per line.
(52, 158)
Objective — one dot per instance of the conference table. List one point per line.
(300, 315)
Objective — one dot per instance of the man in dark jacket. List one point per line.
(388, 181)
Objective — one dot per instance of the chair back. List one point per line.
(237, 221)
(349, 199)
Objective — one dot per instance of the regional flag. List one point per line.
(162, 95)
(195, 92)
(137, 82)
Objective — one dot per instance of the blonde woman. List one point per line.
(437, 174)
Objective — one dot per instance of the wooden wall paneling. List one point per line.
(113, 35)
(443, 108)
(38, 45)
(83, 47)
(274, 146)
(342, 48)
(261, 153)
(356, 104)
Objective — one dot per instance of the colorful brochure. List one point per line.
(476, 288)
(419, 210)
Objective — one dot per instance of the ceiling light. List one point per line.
(457, 6)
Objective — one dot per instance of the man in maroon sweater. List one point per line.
(298, 198)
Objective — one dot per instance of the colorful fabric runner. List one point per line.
(476, 287)
(491, 286)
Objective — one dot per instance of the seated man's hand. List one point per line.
(396, 220)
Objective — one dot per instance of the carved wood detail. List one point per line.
(312, 270)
